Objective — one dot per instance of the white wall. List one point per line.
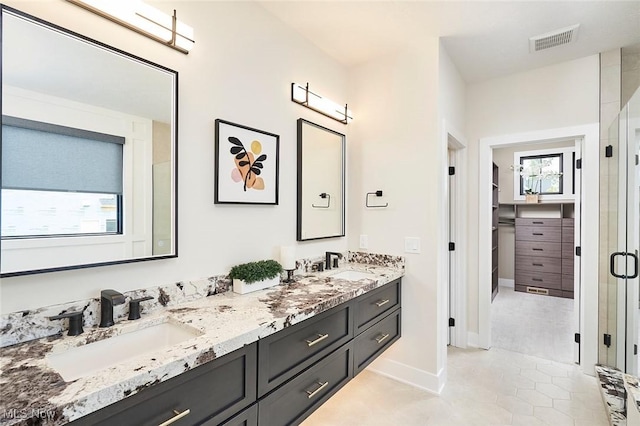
(395, 146)
(240, 69)
(557, 96)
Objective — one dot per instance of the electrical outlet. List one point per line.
(364, 241)
(411, 245)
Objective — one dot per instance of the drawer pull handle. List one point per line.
(538, 233)
(320, 338)
(538, 223)
(382, 302)
(536, 279)
(537, 264)
(537, 249)
(178, 416)
(382, 338)
(311, 394)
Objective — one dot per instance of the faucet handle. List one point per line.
(116, 297)
(134, 307)
(75, 322)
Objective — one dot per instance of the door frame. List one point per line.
(456, 218)
(588, 300)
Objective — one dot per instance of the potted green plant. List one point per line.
(254, 276)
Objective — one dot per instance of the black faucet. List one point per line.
(108, 299)
(327, 259)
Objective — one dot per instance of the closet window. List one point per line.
(541, 174)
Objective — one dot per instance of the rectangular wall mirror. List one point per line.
(321, 182)
(89, 152)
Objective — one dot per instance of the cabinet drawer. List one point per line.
(543, 221)
(538, 249)
(539, 233)
(375, 340)
(568, 250)
(297, 399)
(375, 304)
(567, 266)
(288, 352)
(538, 279)
(538, 264)
(568, 222)
(248, 417)
(212, 392)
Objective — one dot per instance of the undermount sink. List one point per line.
(353, 275)
(81, 361)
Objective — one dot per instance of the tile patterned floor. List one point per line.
(495, 387)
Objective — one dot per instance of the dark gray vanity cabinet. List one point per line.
(212, 393)
(286, 353)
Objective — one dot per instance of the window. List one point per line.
(541, 174)
(46, 193)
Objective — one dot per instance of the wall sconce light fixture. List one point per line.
(301, 94)
(143, 19)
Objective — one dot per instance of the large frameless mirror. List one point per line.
(321, 171)
(88, 152)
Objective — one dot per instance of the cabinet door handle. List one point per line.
(538, 233)
(537, 249)
(320, 338)
(537, 264)
(178, 416)
(311, 394)
(538, 223)
(382, 338)
(382, 302)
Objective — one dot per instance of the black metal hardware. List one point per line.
(637, 159)
(608, 151)
(607, 340)
(134, 307)
(289, 278)
(537, 279)
(452, 171)
(452, 322)
(538, 233)
(612, 264)
(378, 193)
(319, 266)
(635, 349)
(108, 299)
(537, 249)
(576, 338)
(327, 259)
(452, 246)
(326, 196)
(579, 163)
(75, 322)
(578, 251)
(537, 264)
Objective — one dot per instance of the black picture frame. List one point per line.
(247, 165)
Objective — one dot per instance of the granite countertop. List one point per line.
(633, 388)
(30, 389)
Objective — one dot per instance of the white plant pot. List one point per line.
(241, 287)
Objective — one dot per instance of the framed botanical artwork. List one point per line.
(246, 165)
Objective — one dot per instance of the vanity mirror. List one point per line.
(321, 182)
(89, 148)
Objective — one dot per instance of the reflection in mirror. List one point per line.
(321, 171)
(88, 152)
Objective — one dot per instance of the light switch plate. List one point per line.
(364, 241)
(412, 245)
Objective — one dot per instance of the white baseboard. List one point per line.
(473, 340)
(506, 282)
(410, 375)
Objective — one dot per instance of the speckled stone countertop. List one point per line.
(33, 393)
(613, 393)
(633, 388)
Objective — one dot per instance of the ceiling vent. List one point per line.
(554, 38)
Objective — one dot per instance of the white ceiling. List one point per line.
(485, 39)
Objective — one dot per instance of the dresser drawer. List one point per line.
(539, 233)
(213, 392)
(538, 264)
(288, 352)
(375, 340)
(375, 304)
(543, 221)
(248, 417)
(295, 400)
(538, 249)
(538, 279)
